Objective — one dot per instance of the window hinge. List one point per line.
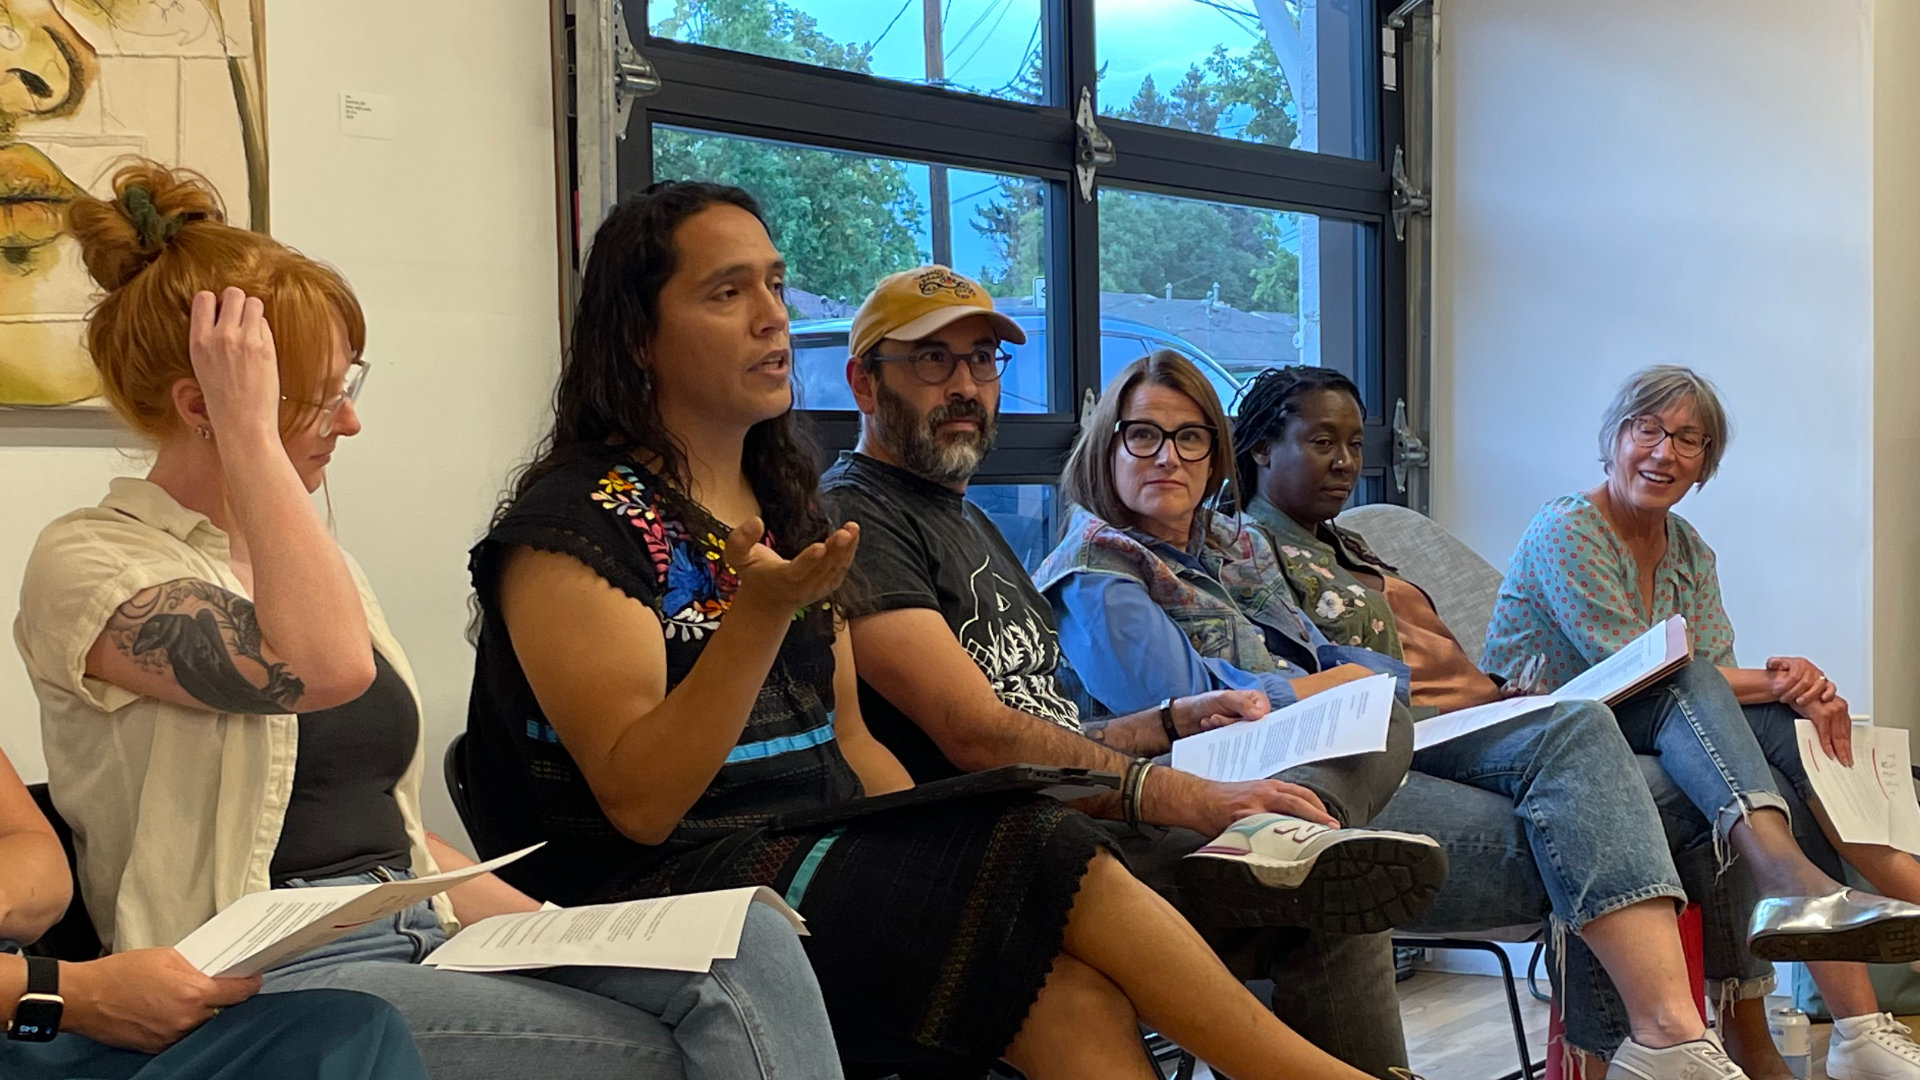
(1409, 450)
(1407, 199)
(633, 74)
(1095, 149)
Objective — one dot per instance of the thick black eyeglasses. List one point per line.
(1143, 439)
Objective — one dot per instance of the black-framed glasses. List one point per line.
(1144, 438)
(1647, 432)
(349, 391)
(934, 365)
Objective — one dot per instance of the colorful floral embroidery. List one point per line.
(696, 583)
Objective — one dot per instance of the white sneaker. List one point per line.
(1885, 1051)
(1275, 870)
(1701, 1059)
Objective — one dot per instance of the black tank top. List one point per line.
(342, 818)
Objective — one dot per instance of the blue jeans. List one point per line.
(310, 1035)
(1591, 826)
(759, 1016)
(1696, 727)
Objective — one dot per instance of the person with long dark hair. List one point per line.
(662, 667)
(226, 709)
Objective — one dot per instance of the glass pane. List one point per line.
(1027, 515)
(844, 221)
(990, 47)
(1238, 289)
(1294, 73)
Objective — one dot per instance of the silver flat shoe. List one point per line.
(1845, 925)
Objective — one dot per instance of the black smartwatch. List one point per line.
(37, 1017)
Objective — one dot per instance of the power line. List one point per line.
(986, 38)
(985, 13)
(875, 43)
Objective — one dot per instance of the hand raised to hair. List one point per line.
(787, 585)
(234, 361)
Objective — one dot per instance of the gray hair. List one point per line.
(1654, 389)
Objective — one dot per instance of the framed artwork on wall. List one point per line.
(84, 84)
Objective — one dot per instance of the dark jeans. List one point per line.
(305, 1035)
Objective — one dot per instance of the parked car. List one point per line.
(820, 361)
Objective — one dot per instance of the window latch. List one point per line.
(1407, 199)
(1094, 149)
(1409, 449)
(633, 74)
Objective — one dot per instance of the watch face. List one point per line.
(36, 1018)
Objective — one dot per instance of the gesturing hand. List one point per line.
(144, 1000)
(787, 585)
(234, 361)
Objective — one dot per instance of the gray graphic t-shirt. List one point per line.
(923, 546)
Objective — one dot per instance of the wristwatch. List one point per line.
(37, 1017)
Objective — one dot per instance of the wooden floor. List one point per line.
(1458, 1028)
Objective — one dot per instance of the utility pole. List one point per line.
(931, 34)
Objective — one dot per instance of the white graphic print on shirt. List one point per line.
(1019, 652)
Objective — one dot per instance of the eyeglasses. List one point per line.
(934, 365)
(1647, 432)
(1144, 438)
(349, 391)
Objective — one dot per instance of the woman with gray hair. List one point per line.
(1596, 570)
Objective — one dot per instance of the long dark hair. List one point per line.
(1266, 403)
(606, 398)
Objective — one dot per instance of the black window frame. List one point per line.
(733, 93)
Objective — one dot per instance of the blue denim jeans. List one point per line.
(759, 1016)
(309, 1035)
(1590, 824)
(1696, 727)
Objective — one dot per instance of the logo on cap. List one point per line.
(940, 279)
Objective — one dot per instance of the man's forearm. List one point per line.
(1135, 734)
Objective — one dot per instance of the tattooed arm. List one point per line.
(194, 643)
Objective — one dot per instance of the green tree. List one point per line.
(842, 220)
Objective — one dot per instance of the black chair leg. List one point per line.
(1527, 1068)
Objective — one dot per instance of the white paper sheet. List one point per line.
(262, 930)
(1609, 679)
(1873, 801)
(1438, 729)
(672, 933)
(1348, 719)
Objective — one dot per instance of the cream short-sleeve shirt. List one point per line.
(175, 811)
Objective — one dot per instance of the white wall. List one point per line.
(1642, 181)
(447, 234)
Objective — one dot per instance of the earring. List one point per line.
(204, 432)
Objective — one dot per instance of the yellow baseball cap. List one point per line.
(912, 304)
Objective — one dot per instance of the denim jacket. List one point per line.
(1224, 597)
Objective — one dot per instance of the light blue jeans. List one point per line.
(759, 1016)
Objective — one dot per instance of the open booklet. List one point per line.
(1871, 802)
(671, 933)
(264, 930)
(1349, 719)
(1639, 664)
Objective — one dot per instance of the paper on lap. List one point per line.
(1349, 719)
(670, 933)
(1873, 801)
(263, 930)
(1639, 664)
